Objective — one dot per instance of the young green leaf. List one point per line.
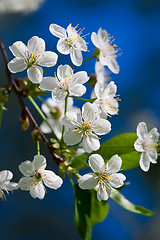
(79, 162)
(125, 203)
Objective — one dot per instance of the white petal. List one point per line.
(141, 130)
(145, 161)
(96, 162)
(51, 180)
(88, 181)
(101, 126)
(49, 83)
(110, 90)
(155, 134)
(81, 44)
(11, 186)
(25, 183)
(95, 39)
(90, 144)
(5, 176)
(138, 145)
(35, 74)
(17, 65)
(77, 90)
(90, 112)
(64, 71)
(39, 162)
(48, 59)
(59, 94)
(116, 180)
(44, 126)
(63, 47)
(76, 56)
(37, 190)
(114, 164)
(26, 168)
(153, 156)
(81, 77)
(18, 49)
(57, 31)
(103, 193)
(103, 35)
(113, 66)
(70, 119)
(72, 137)
(36, 46)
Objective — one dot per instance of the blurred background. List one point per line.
(135, 24)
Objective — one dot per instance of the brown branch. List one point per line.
(24, 108)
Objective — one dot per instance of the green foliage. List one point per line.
(79, 162)
(123, 145)
(125, 203)
(30, 89)
(88, 211)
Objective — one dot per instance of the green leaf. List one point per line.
(125, 203)
(123, 145)
(88, 211)
(79, 162)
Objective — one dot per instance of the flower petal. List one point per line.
(63, 47)
(145, 161)
(88, 181)
(95, 39)
(51, 180)
(103, 35)
(25, 183)
(37, 190)
(96, 162)
(153, 156)
(26, 168)
(116, 180)
(103, 193)
(141, 129)
(39, 162)
(110, 90)
(18, 49)
(81, 44)
(81, 77)
(114, 164)
(72, 137)
(76, 56)
(48, 59)
(70, 119)
(64, 71)
(17, 65)
(36, 46)
(77, 90)
(90, 112)
(101, 126)
(57, 31)
(113, 66)
(90, 144)
(138, 145)
(35, 74)
(155, 134)
(59, 94)
(49, 83)
(5, 176)
(11, 186)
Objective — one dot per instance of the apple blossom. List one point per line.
(70, 42)
(104, 176)
(146, 144)
(65, 83)
(107, 56)
(35, 176)
(31, 57)
(85, 128)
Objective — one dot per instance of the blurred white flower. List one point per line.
(105, 176)
(147, 144)
(16, 6)
(85, 129)
(35, 176)
(55, 112)
(65, 82)
(5, 184)
(108, 52)
(30, 57)
(70, 42)
(106, 99)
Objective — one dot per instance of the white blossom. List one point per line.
(146, 144)
(70, 42)
(55, 112)
(5, 184)
(31, 57)
(66, 82)
(85, 128)
(107, 100)
(108, 52)
(35, 177)
(104, 176)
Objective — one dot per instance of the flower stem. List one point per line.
(83, 99)
(42, 115)
(65, 110)
(1, 112)
(46, 70)
(85, 60)
(38, 148)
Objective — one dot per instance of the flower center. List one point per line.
(148, 144)
(38, 176)
(55, 113)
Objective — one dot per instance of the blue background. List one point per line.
(135, 24)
